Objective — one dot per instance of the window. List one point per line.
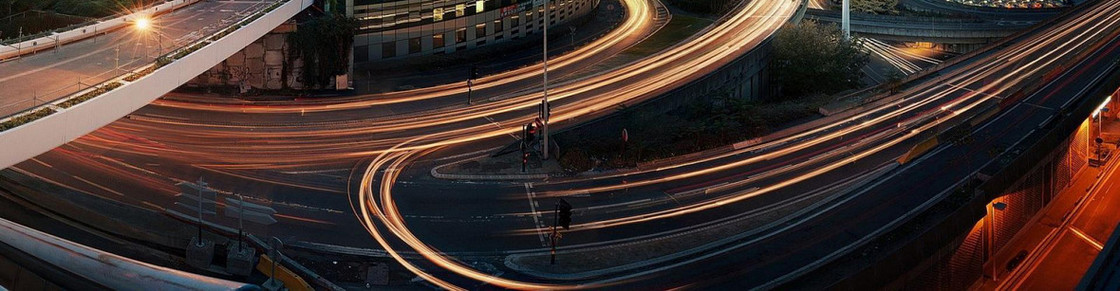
(414, 45)
(515, 21)
(460, 10)
(437, 14)
(437, 41)
(461, 35)
(498, 26)
(388, 49)
(479, 6)
(480, 30)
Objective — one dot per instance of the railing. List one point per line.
(13, 48)
(102, 268)
(17, 113)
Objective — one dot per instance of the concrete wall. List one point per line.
(927, 29)
(260, 65)
(939, 232)
(34, 138)
(79, 33)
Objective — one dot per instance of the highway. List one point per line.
(1073, 239)
(788, 198)
(55, 73)
(829, 231)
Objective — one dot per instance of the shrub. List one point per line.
(89, 95)
(25, 118)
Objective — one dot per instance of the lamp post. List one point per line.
(1100, 126)
(145, 24)
(846, 19)
(544, 121)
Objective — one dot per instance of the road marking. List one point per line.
(959, 87)
(499, 125)
(1087, 238)
(536, 215)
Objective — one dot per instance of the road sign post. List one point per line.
(272, 283)
(544, 128)
(562, 217)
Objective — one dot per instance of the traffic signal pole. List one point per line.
(555, 231)
(544, 127)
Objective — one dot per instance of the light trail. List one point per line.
(392, 217)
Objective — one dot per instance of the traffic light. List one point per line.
(564, 213)
(544, 110)
(530, 133)
(474, 73)
(524, 160)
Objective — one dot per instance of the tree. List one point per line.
(323, 44)
(811, 58)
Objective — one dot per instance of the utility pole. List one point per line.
(240, 221)
(272, 283)
(562, 217)
(201, 185)
(846, 20)
(19, 44)
(553, 239)
(471, 75)
(544, 127)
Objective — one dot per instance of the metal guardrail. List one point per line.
(18, 39)
(108, 270)
(50, 99)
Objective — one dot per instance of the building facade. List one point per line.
(405, 28)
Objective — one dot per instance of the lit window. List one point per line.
(437, 14)
(479, 6)
(437, 41)
(461, 35)
(460, 10)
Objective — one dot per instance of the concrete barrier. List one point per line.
(83, 32)
(39, 136)
(102, 268)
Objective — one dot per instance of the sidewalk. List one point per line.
(1045, 231)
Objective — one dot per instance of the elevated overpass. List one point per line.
(925, 29)
(75, 266)
(91, 88)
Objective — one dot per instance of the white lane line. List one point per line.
(536, 215)
(1096, 244)
(499, 125)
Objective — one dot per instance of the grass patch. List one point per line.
(697, 127)
(678, 29)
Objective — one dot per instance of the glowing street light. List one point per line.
(143, 23)
(1102, 106)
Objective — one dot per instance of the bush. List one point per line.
(89, 95)
(324, 44)
(23, 119)
(810, 58)
(575, 161)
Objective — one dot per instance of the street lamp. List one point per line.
(1100, 125)
(145, 24)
